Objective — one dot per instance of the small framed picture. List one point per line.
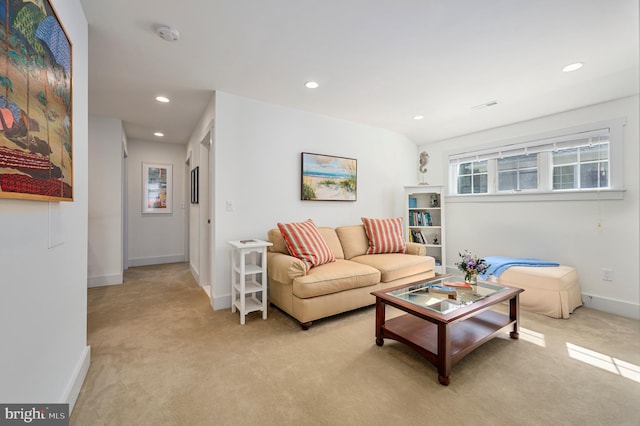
(195, 182)
(157, 190)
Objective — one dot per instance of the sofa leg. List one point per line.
(306, 325)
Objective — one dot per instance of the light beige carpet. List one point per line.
(161, 356)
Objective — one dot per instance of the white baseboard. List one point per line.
(618, 307)
(144, 261)
(194, 272)
(104, 280)
(207, 289)
(221, 303)
(70, 395)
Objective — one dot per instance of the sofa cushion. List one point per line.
(334, 277)
(305, 242)
(331, 238)
(274, 236)
(329, 235)
(353, 239)
(393, 266)
(385, 235)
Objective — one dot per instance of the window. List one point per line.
(581, 168)
(518, 173)
(583, 159)
(472, 178)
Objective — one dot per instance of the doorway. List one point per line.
(204, 222)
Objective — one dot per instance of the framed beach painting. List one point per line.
(36, 160)
(157, 190)
(328, 178)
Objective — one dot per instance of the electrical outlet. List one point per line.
(230, 205)
(607, 274)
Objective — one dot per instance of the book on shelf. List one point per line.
(420, 219)
(424, 238)
(417, 236)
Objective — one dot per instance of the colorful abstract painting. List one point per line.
(328, 178)
(35, 103)
(157, 191)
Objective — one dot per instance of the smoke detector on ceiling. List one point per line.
(168, 33)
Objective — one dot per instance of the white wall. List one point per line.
(43, 287)
(105, 201)
(199, 230)
(562, 231)
(257, 150)
(156, 238)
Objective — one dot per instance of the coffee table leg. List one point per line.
(514, 315)
(379, 321)
(444, 354)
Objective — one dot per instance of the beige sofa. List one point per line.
(343, 285)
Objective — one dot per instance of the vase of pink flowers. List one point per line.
(471, 266)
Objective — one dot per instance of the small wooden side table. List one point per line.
(249, 277)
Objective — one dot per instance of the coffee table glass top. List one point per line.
(446, 294)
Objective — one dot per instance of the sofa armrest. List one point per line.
(284, 268)
(416, 248)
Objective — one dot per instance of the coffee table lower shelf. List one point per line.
(457, 339)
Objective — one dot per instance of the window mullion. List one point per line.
(492, 173)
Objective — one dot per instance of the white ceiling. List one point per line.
(378, 62)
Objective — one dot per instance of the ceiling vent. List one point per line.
(485, 105)
(168, 33)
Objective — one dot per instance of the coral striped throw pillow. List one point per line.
(385, 235)
(305, 242)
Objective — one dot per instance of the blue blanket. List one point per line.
(500, 263)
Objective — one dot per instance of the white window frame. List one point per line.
(544, 143)
(488, 173)
(518, 170)
(579, 164)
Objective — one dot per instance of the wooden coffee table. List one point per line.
(445, 326)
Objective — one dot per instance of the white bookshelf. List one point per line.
(425, 221)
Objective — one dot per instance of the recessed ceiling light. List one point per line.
(311, 85)
(162, 99)
(572, 67)
(158, 134)
(418, 117)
